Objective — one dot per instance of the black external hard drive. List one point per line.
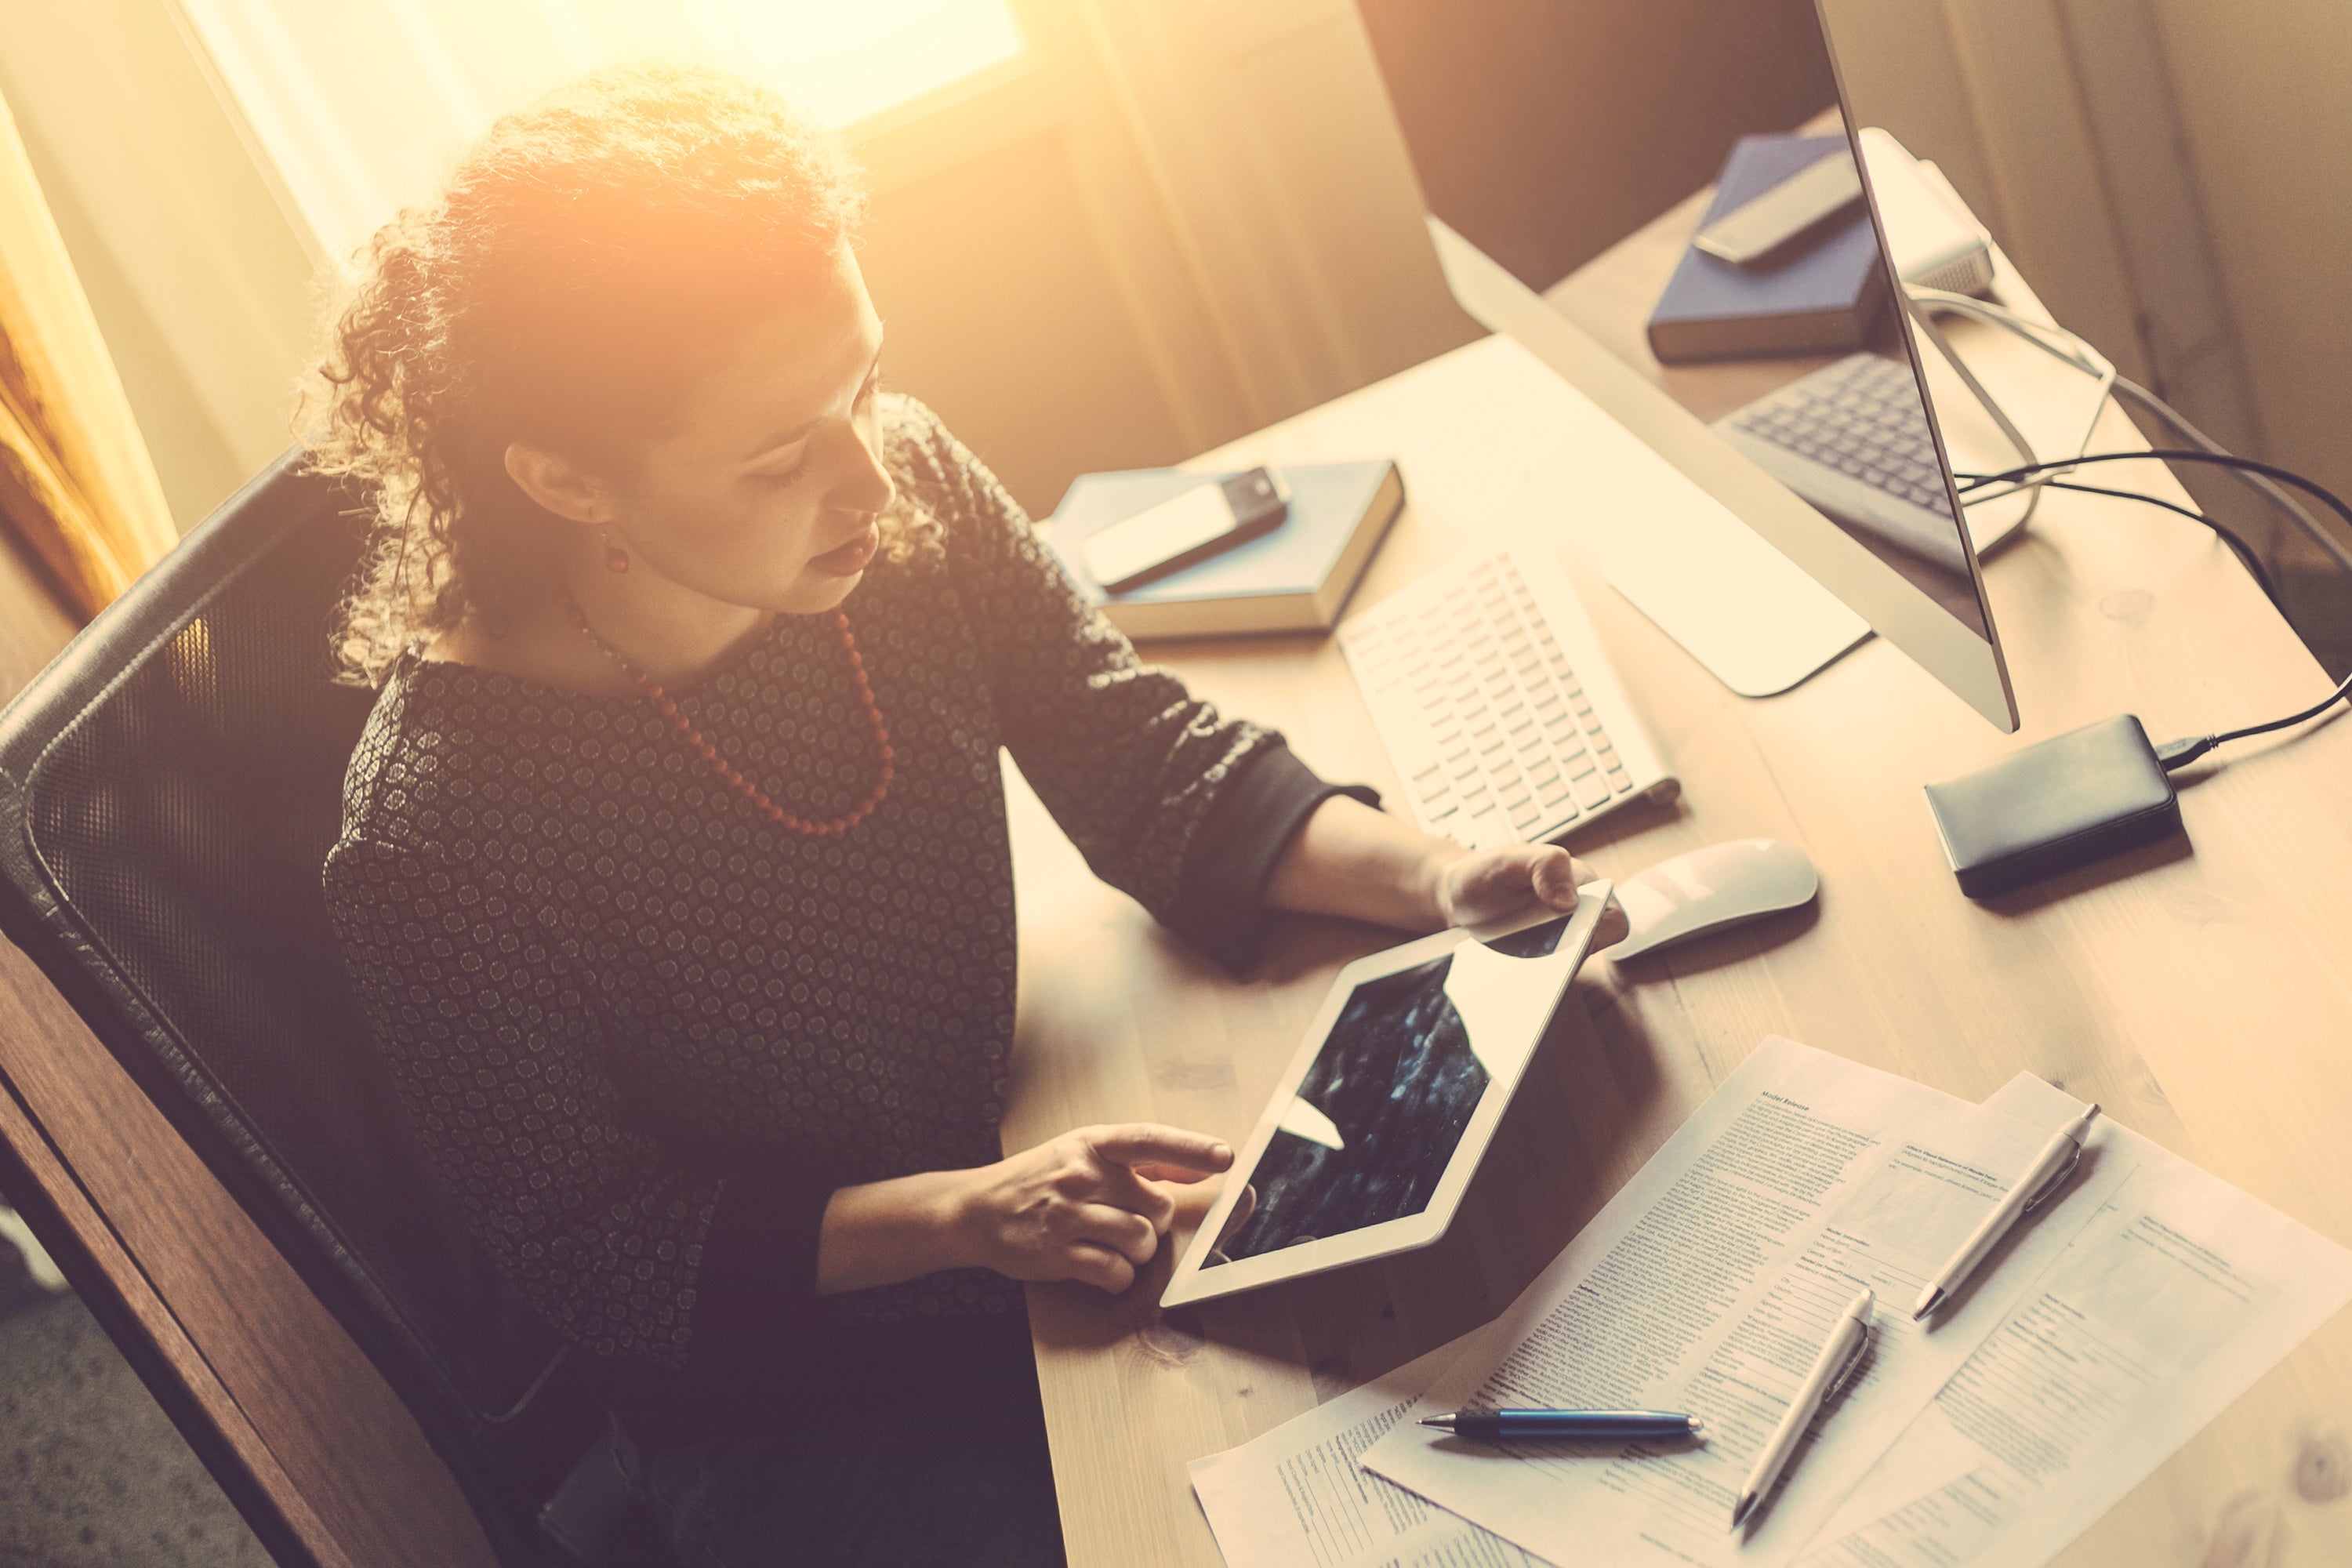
(2063, 803)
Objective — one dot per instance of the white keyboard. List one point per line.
(1494, 701)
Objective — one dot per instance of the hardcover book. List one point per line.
(1819, 294)
(1295, 577)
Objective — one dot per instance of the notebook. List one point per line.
(1821, 295)
(1296, 577)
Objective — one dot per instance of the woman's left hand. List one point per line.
(1475, 886)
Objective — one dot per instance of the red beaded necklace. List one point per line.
(662, 700)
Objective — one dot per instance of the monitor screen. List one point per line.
(1676, 178)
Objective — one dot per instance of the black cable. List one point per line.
(2238, 546)
(2179, 753)
(2133, 392)
(2169, 455)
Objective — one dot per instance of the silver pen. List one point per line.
(1836, 1363)
(2049, 1172)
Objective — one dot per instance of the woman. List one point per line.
(673, 874)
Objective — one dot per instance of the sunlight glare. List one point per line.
(846, 61)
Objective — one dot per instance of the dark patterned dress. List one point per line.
(645, 1033)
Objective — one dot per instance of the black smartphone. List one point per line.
(1212, 516)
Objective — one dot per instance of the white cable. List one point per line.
(2068, 350)
(2077, 352)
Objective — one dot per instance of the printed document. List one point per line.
(2167, 1306)
(1296, 1497)
(1709, 1285)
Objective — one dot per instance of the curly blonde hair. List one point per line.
(587, 258)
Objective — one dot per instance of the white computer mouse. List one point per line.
(1709, 888)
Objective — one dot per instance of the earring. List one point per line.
(617, 560)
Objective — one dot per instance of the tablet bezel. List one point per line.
(1190, 1283)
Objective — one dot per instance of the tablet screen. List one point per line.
(1380, 1113)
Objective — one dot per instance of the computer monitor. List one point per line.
(1566, 150)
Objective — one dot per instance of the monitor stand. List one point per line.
(1734, 603)
(1760, 623)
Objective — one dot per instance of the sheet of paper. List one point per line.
(1295, 1498)
(1710, 1284)
(2177, 1296)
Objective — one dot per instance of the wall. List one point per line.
(2264, 89)
(1199, 219)
(1189, 219)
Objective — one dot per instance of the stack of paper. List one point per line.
(2100, 1337)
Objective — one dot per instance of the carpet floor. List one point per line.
(92, 1472)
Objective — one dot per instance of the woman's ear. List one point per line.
(559, 484)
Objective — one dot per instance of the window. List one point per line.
(358, 107)
(848, 61)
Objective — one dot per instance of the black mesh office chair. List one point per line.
(168, 788)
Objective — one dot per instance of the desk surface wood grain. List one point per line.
(2201, 990)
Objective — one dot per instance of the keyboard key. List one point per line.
(1480, 705)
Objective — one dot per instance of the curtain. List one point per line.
(76, 482)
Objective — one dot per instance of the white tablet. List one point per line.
(1379, 1121)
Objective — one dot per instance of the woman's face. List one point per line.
(765, 491)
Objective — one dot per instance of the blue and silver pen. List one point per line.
(1502, 1426)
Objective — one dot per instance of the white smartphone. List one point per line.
(1214, 515)
(1761, 227)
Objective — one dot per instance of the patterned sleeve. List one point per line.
(477, 1005)
(1131, 764)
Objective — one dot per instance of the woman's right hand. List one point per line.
(1090, 1205)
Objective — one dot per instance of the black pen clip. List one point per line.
(2058, 1178)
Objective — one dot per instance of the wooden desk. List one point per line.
(2202, 992)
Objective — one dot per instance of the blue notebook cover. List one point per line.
(1332, 506)
(1821, 298)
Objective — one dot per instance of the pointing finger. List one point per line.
(1150, 1144)
(1176, 1173)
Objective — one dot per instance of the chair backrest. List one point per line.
(168, 788)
